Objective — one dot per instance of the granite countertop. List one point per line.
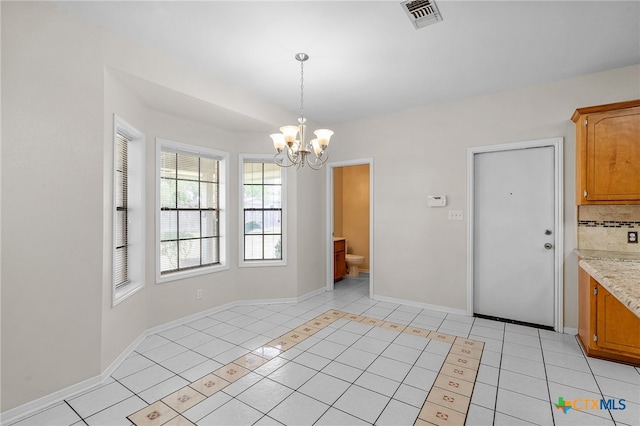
(621, 277)
(609, 255)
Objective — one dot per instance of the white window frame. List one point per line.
(223, 170)
(262, 158)
(136, 210)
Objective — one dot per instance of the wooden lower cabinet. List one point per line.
(339, 260)
(606, 328)
(618, 329)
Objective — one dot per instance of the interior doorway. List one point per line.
(350, 213)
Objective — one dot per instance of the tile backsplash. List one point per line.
(605, 227)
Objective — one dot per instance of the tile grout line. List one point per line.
(168, 410)
(546, 379)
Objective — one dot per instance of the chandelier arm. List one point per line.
(294, 159)
(279, 159)
(317, 166)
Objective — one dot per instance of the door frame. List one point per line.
(557, 144)
(329, 220)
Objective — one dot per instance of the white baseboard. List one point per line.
(565, 330)
(415, 304)
(40, 404)
(47, 401)
(189, 318)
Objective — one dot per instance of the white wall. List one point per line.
(420, 255)
(123, 323)
(62, 83)
(52, 129)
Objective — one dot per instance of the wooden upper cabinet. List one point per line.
(608, 153)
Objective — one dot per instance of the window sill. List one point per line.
(261, 263)
(174, 276)
(124, 292)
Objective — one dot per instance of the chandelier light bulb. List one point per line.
(289, 133)
(317, 149)
(324, 135)
(278, 141)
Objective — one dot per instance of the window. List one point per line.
(263, 218)
(191, 210)
(128, 210)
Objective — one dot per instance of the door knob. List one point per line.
(548, 246)
(547, 232)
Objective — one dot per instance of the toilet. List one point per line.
(353, 260)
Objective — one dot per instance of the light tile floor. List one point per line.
(353, 373)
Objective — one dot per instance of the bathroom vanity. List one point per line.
(339, 258)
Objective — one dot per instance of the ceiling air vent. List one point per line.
(422, 12)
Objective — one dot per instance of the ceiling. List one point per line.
(366, 58)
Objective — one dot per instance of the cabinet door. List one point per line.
(617, 326)
(341, 264)
(613, 155)
(586, 309)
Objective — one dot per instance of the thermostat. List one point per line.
(436, 201)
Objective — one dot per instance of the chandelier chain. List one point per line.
(302, 89)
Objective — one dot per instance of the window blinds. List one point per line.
(189, 211)
(121, 232)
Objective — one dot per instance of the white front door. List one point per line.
(513, 235)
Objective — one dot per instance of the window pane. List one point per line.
(189, 253)
(208, 195)
(209, 170)
(253, 247)
(168, 164)
(272, 197)
(168, 256)
(121, 189)
(253, 222)
(120, 228)
(168, 225)
(209, 224)
(209, 251)
(121, 270)
(189, 224)
(253, 173)
(188, 167)
(271, 224)
(167, 193)
(253, 196)
(272, 174)
(188, 194)
(272, 247)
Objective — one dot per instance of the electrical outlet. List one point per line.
(632, 237)
(199, 294)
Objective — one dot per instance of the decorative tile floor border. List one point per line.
(447, 402)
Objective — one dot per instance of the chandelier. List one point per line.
(291, 146)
